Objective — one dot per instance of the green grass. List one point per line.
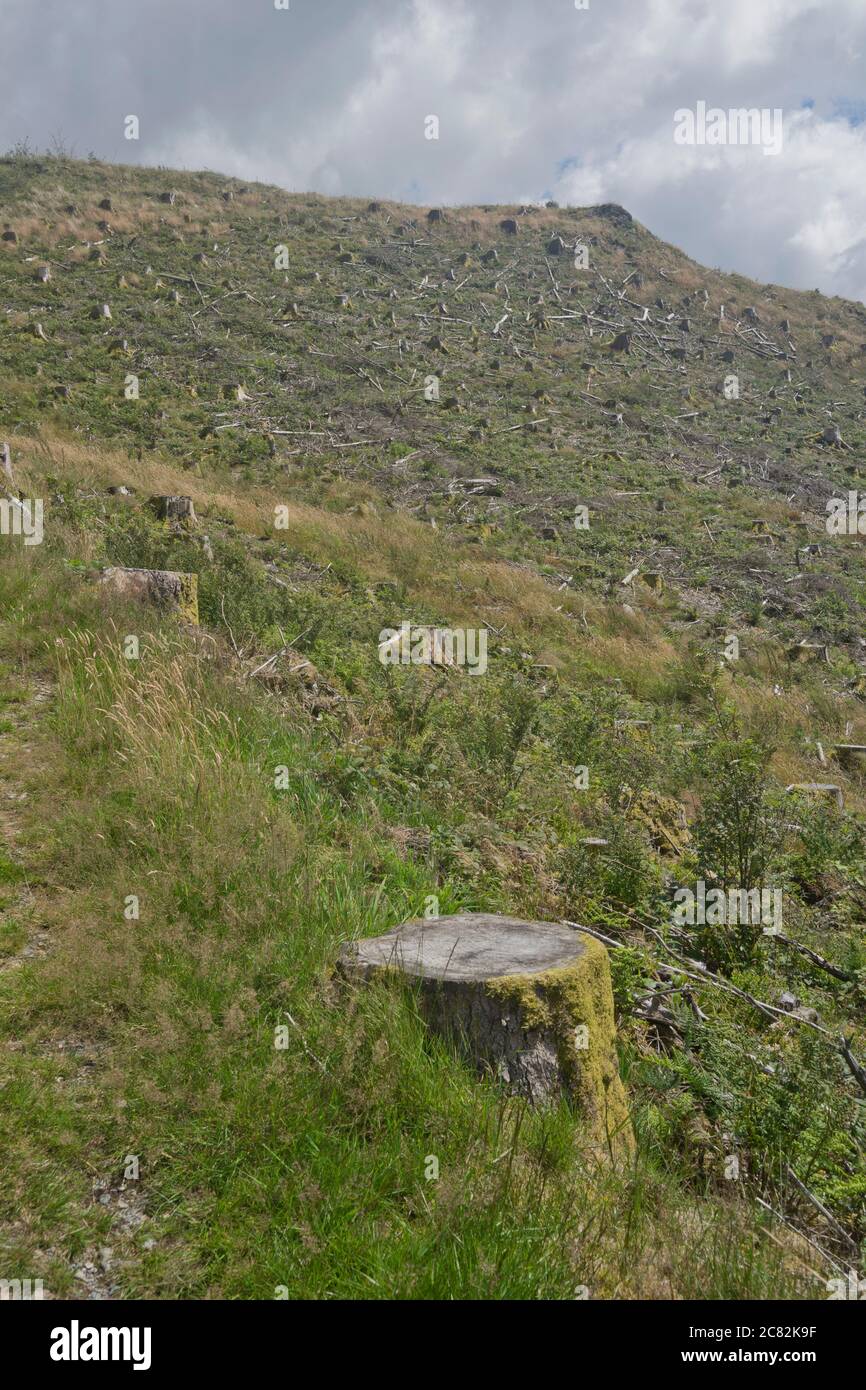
(9, 871)
(301, 1168)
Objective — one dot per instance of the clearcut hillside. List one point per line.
(539, 422)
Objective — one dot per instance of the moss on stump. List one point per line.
(529, 1003)
(165, 588)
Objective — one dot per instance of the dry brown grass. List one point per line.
(457, 581)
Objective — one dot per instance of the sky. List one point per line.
(574, 100)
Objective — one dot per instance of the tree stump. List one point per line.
(165, 588)
(820, 789)
(174, 509)
(529, 1003)
(850, 753)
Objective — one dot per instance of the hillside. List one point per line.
(542, 424)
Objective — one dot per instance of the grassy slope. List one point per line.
(305, 1168)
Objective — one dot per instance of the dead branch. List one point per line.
(857, 1071)
(813, 956)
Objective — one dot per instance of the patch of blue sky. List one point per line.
(846, 109)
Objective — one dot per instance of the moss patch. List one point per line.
(188, 602)
(574, 1003)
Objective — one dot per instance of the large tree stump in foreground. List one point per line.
(165, 588)
(528, 1002)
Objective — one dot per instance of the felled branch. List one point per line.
(857, 1071)
(813, 956)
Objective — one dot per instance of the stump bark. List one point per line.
(529, 1003)
(166, 588)
(174, 509)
